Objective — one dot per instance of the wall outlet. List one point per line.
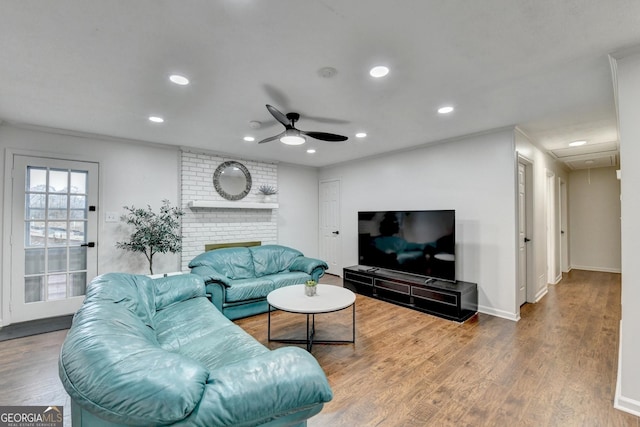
(111, 217)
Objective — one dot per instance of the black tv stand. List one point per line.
(453, 301)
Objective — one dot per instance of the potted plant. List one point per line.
(310, 288)
(267, 191)
(153, 232)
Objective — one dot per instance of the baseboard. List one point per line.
(620, 402)
(541, 293)
(35, 327)
(600, 269)
(498, 313)
(627, 405)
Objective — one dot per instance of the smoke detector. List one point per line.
(254, 124)
(327, 72)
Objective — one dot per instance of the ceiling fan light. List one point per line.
(293, 140)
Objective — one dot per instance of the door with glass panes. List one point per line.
(53, 236)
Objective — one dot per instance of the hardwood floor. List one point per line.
(555, 367)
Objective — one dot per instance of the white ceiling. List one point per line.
(101, 67)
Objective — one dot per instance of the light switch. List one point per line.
(111, 217)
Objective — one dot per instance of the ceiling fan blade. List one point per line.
(272, 138)
(276, 96)
(325, 136)
(325, 120)
(278, 115)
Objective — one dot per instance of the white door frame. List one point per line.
(551, 226)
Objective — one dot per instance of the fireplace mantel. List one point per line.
(225, 204)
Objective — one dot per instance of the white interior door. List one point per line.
(522, 235)
(330, 237)
(53, 236)
(564, 229)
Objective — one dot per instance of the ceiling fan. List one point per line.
(293, 136)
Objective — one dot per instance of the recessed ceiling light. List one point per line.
(361, 135)
(445, 110)
(311, 151)
(589, 162)
(249, 138)
(379, 71)
(179, 80)
(577, 143)
(156, 119)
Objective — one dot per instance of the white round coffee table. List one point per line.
(329, 298)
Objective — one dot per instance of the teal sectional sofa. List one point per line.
(145, 352)
(239, 279)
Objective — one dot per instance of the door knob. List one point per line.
(88, 244)
(527, 240)
(336, 232)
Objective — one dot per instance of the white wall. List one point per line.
(628, 91)
(131, 173)
(541, 164)
(473, 175)
(298, 213)
(594, 206)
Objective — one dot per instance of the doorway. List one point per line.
(53, 238)
(525, 290)
(330, 237)
(564, 228)
(551, 223)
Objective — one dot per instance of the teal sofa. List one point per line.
(239, 279)
(144, 352)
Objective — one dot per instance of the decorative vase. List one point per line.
(310, 290)
(266, 198)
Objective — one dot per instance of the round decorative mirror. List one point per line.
(232, 180)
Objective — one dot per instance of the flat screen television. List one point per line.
(414, 242)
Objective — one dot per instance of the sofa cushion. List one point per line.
(135, 293)
(275, 385)
(288, 278)
(272, 259)
(235, 263)
(192, 329)
(248, 289)
(173, 289)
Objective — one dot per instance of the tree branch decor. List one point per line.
(153, 232)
